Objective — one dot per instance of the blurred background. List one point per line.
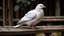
(20, 7)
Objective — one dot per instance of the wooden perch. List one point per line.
(9, 30)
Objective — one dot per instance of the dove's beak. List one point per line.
(44, 7)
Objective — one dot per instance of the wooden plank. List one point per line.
(0, 29)
(4, 13)
(54, 20)
(49, 26)
(42, 29)
(0, 26)
(47, 18)
(53, 17)
(4, 29)
(30, 31)
(25, 32)
(43, 20)
(10, 6)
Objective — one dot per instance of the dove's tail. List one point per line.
(18, 25)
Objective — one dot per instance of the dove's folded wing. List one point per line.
(29, 16)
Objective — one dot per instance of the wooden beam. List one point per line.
(47, 18)
(4, 13)
(43, 20)
(49, 26)
(41, 29)
(10, 6)
(53, 17)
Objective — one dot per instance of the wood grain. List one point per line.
(41, 29)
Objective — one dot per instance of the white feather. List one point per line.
(32, 17)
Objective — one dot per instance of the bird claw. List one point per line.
(33, 27)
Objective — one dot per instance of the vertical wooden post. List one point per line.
(4, 13)
(57, 8)
(17, 15)
(10, 7)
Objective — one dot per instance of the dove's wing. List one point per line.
(29, 16)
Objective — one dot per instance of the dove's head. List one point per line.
(40, 6)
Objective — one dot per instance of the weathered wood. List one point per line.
(10, 6)
(4, 29)
(49, 26)
(47, 18)
(57, 8)
(53, 17)
(42, 29)
(22, 28)
(54, 20)
(44, 20)
(4, 13)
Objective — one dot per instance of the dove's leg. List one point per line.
(33, 27)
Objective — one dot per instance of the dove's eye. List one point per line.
(41, 5)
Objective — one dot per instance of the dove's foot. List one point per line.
(33, 27)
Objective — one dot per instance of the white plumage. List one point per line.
(32, 17)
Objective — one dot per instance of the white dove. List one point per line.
(32, 17)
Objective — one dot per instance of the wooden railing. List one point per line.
(9, 30)
(46, 18)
